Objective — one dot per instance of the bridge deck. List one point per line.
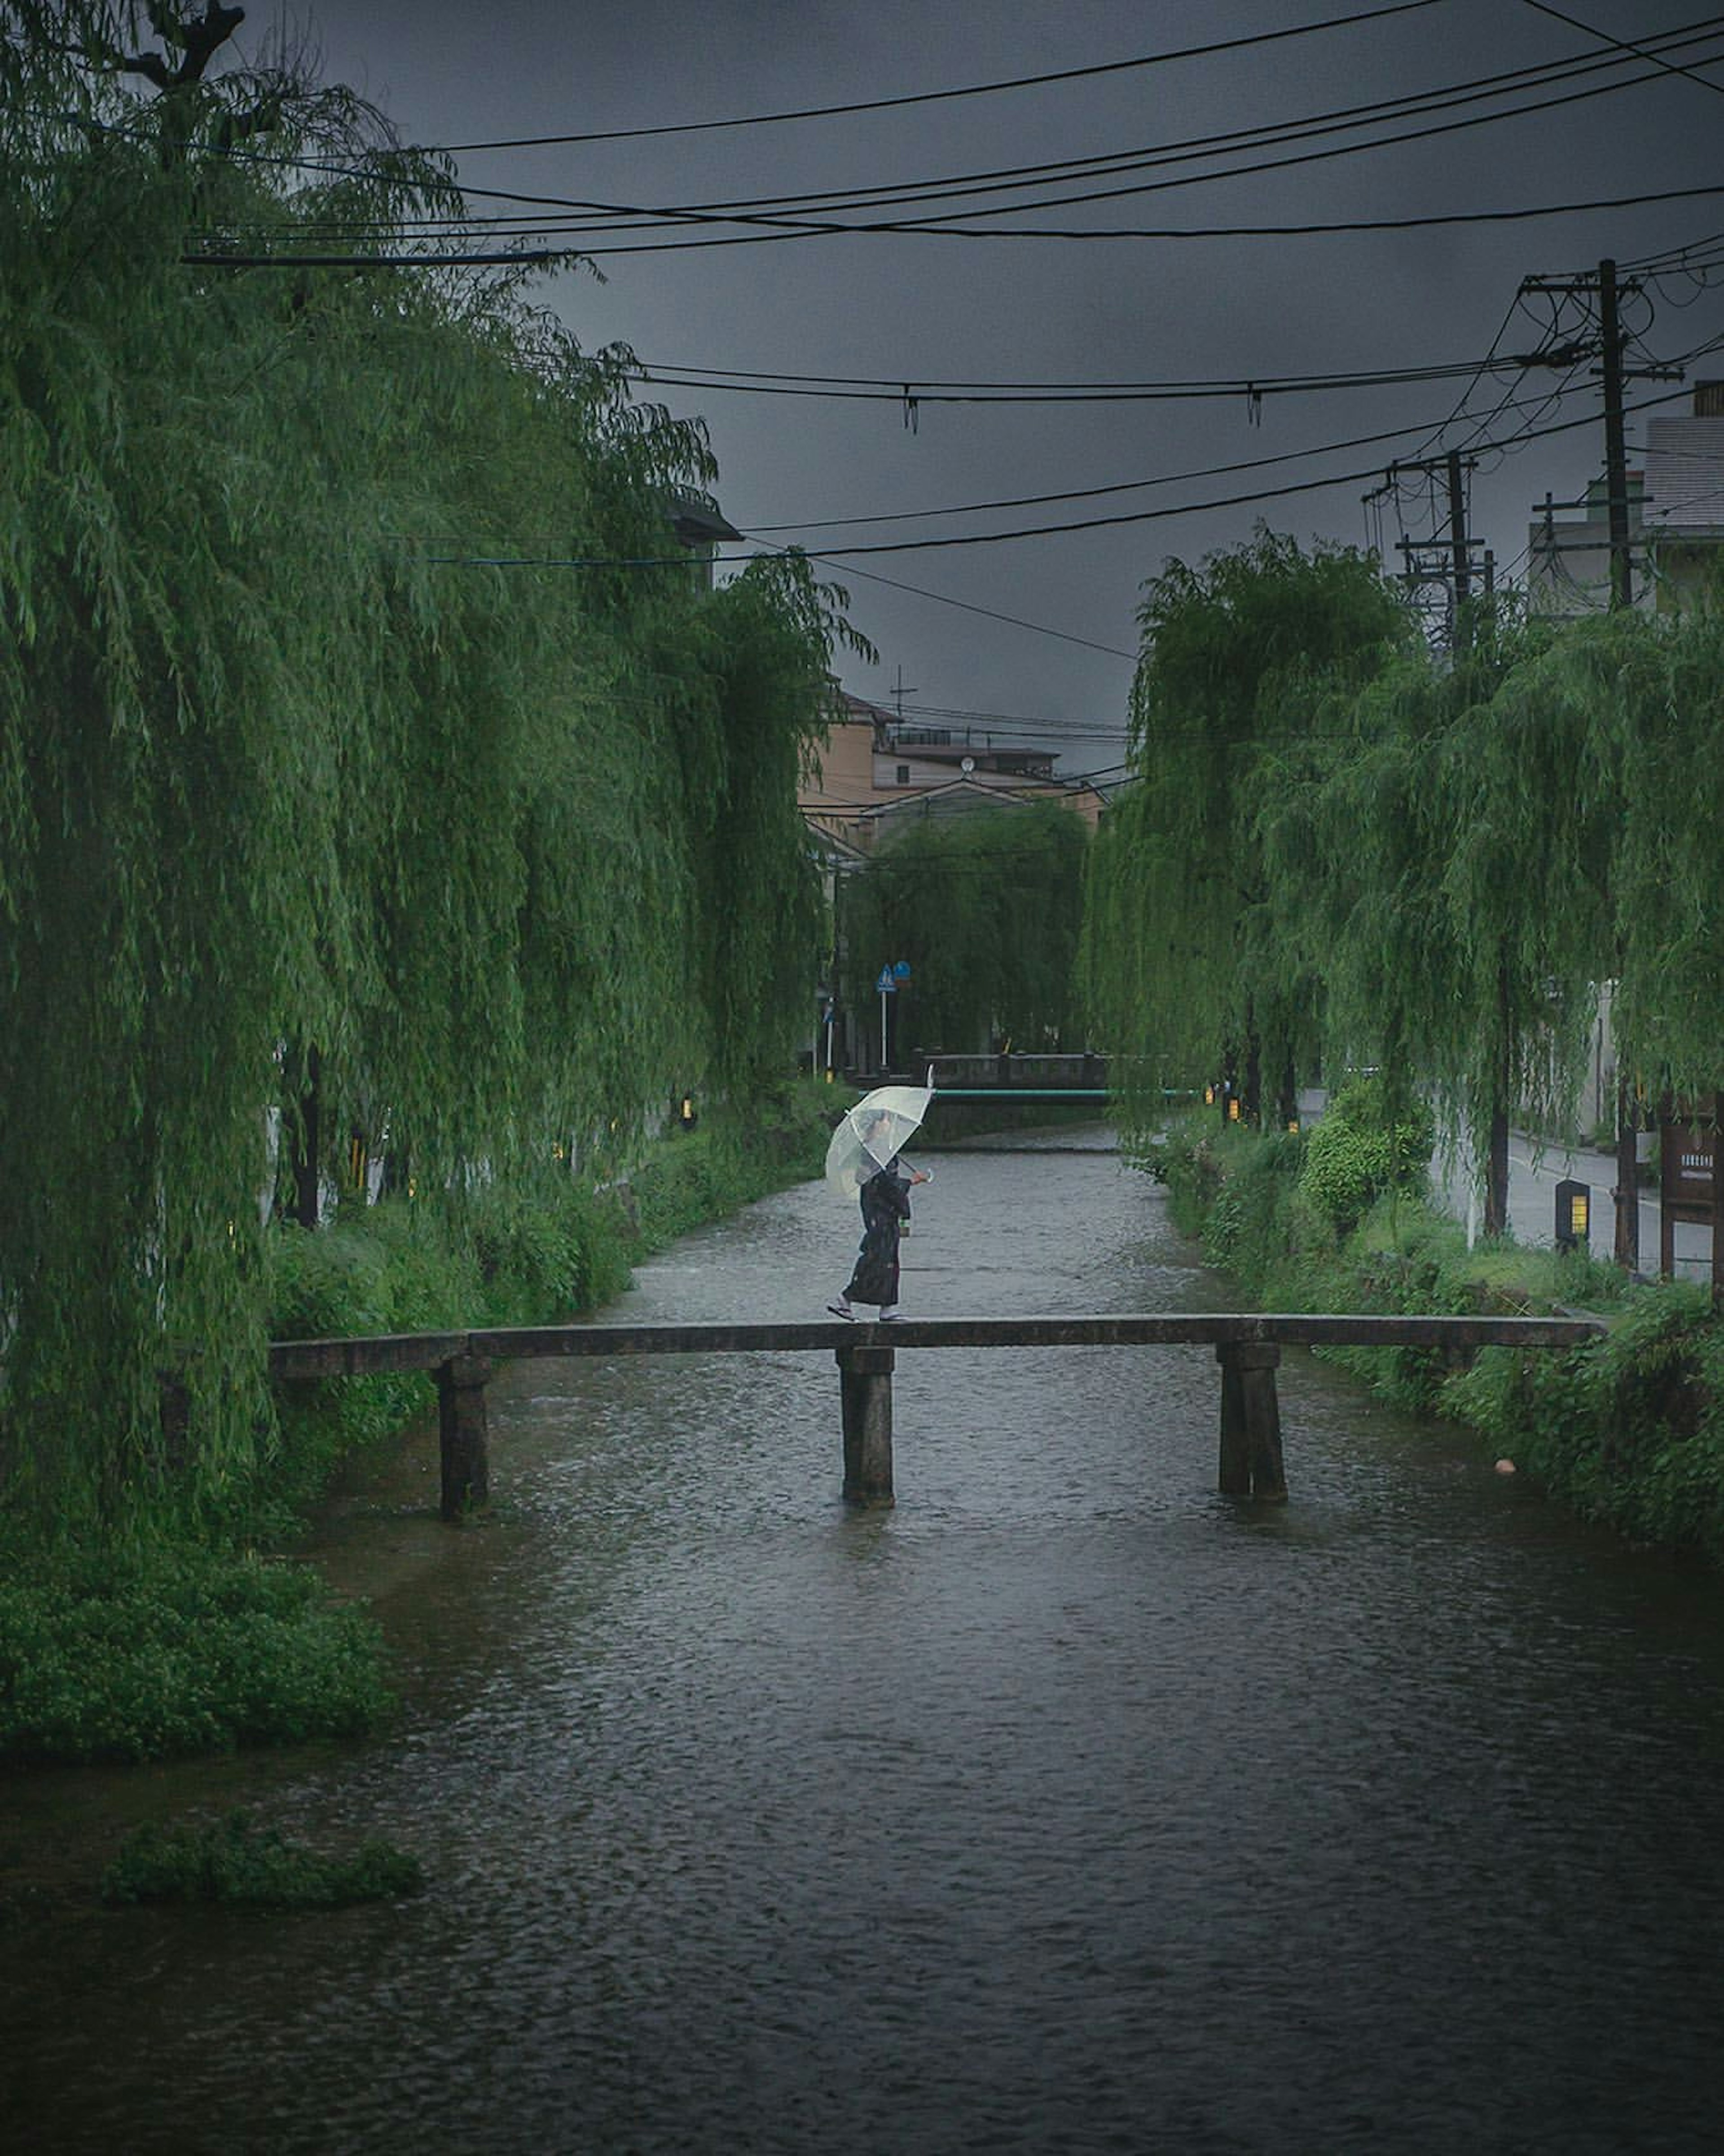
(373, 1353)
(1248, 1346)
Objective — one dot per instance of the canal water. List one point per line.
(1067, 1807)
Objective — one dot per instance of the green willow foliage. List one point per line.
(1662, 686)
(1246, 674)
(296, 775)
(1405, 869)
(986, 907)
(1348, 850)
(1504, 840)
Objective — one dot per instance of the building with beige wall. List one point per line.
(877, 769)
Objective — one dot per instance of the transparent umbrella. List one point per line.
(879, 1124)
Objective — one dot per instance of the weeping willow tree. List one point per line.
(986, 906)
(1662, 686)
(1658, 687)
(1512, 832)
(369, 755)
(1241, 659)
(1407, 863)
(1529, 780)
(1432, 863)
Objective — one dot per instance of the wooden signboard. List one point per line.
(1689, 1185)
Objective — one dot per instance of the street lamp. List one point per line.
(1573, 1203)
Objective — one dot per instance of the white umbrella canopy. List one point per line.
(872, 1132)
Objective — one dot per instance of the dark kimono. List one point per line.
(886, 1207)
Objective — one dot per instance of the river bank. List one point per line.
(181, 1632)
(750, 1821)
(181, 1635)
(1628, 1431)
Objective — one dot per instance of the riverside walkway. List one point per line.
(1247, 1347)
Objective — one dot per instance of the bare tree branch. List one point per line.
(197, 40)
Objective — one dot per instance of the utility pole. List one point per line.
(1457, 535)
(1616, 462)
(1448, 562)
(1625, 1243)
(1612, 340)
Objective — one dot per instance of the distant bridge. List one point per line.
(1031, 1077)
(1085, 1077)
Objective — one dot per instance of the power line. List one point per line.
(625, 217)
(1269, 134)
(930, 720)
(759, 531)
(1624, 45)
(528, 257)
(784, 227)
(965, 606)
(842, 554)
(1128, 486)
(826, 804)
(1155, 187)
(671, 374)
(1113, 775)
(1515, 306)
(1701, 351)
(680, 562)
(841, 557)
(938, 96)
(1710, 249)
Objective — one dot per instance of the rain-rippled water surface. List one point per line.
(1068, 1806)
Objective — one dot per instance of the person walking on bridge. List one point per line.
(886, 1208)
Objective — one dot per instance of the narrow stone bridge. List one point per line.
(1247, 1347)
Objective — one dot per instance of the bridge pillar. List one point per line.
(865, 1379)
(1250, 1421)
(461, 1432)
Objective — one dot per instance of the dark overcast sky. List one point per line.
(904, 308)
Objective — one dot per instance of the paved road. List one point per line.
(1533, 1178)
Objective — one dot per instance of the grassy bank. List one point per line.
(181, 1632)
(1628, 1431)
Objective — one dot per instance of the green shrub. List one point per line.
(1252, 1219)
(1365, 1145)
(507, 1256)
(161, 1651)
(234, 1862)
(1184, 1157)
(179, 1640)
(1628, 1429)
(389, 1268)
(700, 1175)
(560, 1250)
